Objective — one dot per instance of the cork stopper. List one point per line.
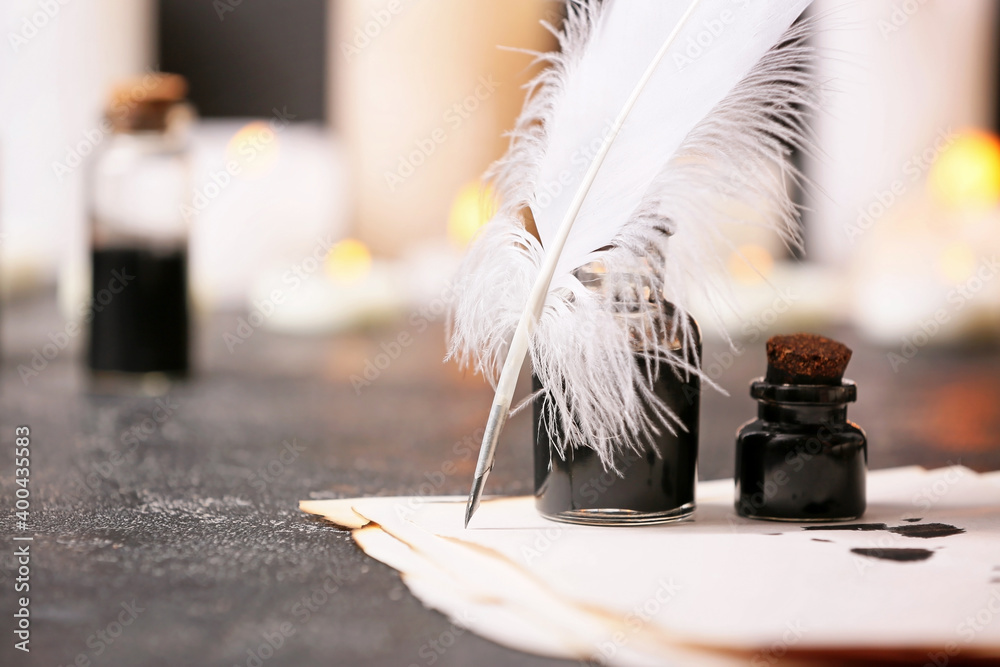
(143, 104)
(806, 359)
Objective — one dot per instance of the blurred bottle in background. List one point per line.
(138, 184)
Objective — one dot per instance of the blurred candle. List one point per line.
(60, 59)
(905, 83)
(422, 95)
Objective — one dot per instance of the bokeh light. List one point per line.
(348, 261)
(967, 173)
(254, 148)
(472, 208)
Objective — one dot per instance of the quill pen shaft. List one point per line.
(536, 301)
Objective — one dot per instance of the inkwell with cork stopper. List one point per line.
(138, 185)
(801, 459)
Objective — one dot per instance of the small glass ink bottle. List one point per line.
(801, 459)
(139, 183)
(655, 485)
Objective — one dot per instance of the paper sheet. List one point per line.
(716, 590)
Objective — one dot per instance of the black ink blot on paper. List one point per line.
(924, 530)
(816, 539)
(912, 520)
(850, 526)
(896, 555)
(927, 530)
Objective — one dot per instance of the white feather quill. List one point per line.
(656, 119)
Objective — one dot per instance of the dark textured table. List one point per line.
(166, 529)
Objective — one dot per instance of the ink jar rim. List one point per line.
(806, 394)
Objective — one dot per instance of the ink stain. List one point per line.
(850, 526)
(771, 534)
(913, 520)
(896, 555)
(924, 530)
(816, 539)
(927, 530)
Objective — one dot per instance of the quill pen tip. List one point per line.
(475, 496)
(487, 452)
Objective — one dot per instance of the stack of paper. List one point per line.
(918, 578)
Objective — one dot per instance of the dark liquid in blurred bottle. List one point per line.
(140, 311)
(139, 184)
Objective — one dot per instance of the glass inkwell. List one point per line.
(652, 481)
(139, 183)
(801, 459)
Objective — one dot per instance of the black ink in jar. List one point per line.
(140, 320)
(801, 459)
(654, 485)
